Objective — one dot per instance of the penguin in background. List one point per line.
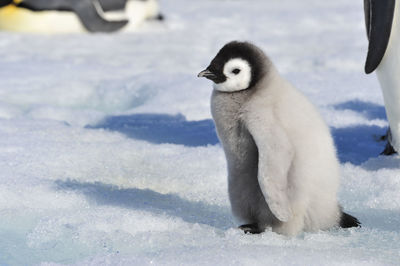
(382, 20)
(283, 171)
(74, 16)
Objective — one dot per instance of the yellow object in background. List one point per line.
(75, 16)
(13, 18)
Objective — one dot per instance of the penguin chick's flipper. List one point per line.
(90, 14)
(251, 229)
(275, 159)
(347, 221)
(378, 21)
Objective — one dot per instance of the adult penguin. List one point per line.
(382, 19)
(70, 16)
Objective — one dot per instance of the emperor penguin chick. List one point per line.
(282, 166)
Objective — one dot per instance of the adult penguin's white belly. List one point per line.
(136, 12)
(388, 73)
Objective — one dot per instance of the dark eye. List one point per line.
(236, 71)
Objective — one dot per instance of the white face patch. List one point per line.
(238, 76)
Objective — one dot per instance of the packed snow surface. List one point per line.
(108, 153)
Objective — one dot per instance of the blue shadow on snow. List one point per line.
(152, 201)
(162, 128)
(355, 144)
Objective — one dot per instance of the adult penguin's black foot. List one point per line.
(389, 150)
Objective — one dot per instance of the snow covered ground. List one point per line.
(108, 153)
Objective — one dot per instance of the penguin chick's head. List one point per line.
(237, 66)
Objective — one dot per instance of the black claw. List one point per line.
(389, 150)
(251, 229)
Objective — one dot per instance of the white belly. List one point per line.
(139, 11)
(388, 73)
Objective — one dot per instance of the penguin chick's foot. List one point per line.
(251, 229)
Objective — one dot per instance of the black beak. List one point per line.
(207, 74)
